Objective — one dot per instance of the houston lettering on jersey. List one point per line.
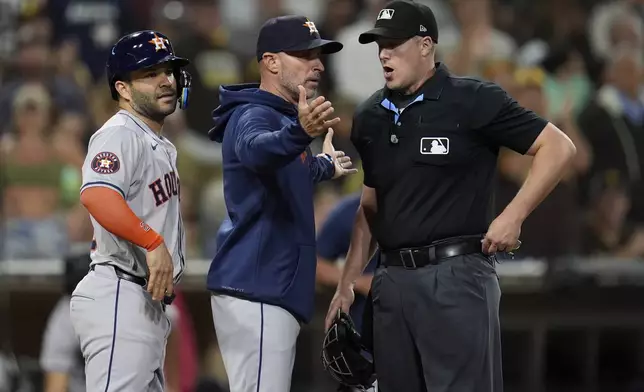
(164, 189)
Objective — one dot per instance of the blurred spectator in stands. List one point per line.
(567, 85)
(70, 66)
(325, 199)
(11, 11)
(358, 72)
(34, 63)
(500, 72)
(613, 123)
(69, 140)
(206, 43)
(615, 24)
(555, 21)
(553, 230)
(243, 23)
(32, 179)
(101, 106)
(93, 26)
(476, 40)
(267, 9)
(607, 230)
(337, 14)
(556, 31)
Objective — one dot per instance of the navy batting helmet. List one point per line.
(144, 49)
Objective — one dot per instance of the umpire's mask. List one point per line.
(345, 357)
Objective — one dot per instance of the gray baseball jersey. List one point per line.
(127, 156)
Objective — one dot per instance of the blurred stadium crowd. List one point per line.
(579, 63)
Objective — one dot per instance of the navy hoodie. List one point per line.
(268, 254)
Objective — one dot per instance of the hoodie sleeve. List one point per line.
(322, 168)
(260, 148)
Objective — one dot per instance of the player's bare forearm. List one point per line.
(363, 245)
(327, 273)
(56, 382)
(553, 151)
(363, 284)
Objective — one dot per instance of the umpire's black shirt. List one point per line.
(433, 163)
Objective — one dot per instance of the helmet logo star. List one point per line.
(158, 42)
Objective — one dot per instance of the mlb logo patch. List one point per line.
(386, 13)
(434, 146)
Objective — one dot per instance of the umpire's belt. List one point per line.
(412, 258)
(124, 275)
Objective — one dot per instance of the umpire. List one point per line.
(429, 142)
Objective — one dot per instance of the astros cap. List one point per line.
(292, 33)
(401, 19)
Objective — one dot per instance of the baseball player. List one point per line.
(61, 359)
(131, 189)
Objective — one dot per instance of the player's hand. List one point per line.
(502, 235)
(341, 162)
(315, 117)
(160, 282)
(343, 298)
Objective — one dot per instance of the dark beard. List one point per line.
(148, 107)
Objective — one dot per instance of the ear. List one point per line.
(272, 62)
(426, 46)
(123, 89)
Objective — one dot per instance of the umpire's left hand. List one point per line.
(502, 235)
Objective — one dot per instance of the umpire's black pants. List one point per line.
(436, 328)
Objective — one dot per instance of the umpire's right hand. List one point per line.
(313, 116)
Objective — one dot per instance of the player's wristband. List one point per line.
(327, 157)
(156, 241)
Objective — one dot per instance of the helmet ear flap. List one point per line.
(184, 84)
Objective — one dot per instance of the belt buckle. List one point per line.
(411, 259)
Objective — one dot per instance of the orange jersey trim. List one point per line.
(111, 211)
